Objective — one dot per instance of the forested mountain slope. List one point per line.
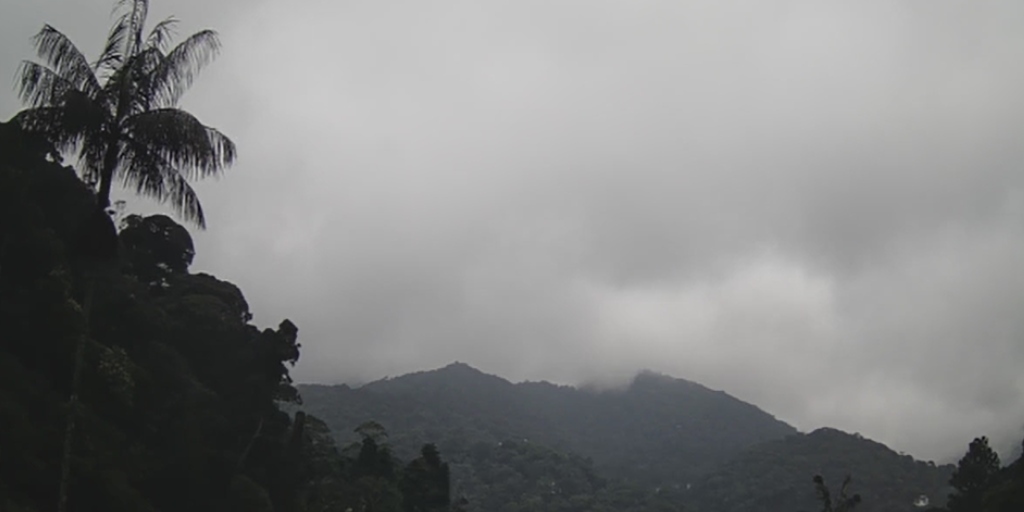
(659, 431)
(664, 442)
(777, 476)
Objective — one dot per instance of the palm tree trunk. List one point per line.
(245, 451)
(112, 155)
(8, 229)
(3, 252)
(107, 177)
(76, 378)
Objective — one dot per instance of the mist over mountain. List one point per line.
(662, 437)
(659, 429)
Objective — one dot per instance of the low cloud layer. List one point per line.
(816, 208)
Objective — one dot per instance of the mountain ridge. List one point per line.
(643, 375)
(702, 427)
(660, 439)
(466, 368)
(886, 480)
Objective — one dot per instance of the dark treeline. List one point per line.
(982, 484)
(178, 393)
(537, 447)
(979, 484)
(127, 382)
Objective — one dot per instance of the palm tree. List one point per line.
(120, 113)
(842, 503)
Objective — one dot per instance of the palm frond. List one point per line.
(49, 121)
(130, 86)
(222, 146)
(66, 60)
(126, 87)
(121, 57)
(160, 36)
(65, 126)
(149, 174)
(185, 201)
(179, 68)
(113, 50)
(70, 128)
(136, 12)
(181, 140)
(91, 153)
(40, 86)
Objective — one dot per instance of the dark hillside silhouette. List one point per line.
(660, 431)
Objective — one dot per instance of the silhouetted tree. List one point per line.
(973, 475)
(1006, 493)
(155, 248)
(120, 112)
(842, 503)
(426, 484)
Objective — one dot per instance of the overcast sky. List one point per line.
(816, 207)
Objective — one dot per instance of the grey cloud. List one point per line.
(817, 208)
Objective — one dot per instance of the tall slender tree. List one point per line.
(120, 112)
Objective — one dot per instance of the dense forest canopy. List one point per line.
(663, 442)
(129, 382)
(180, 394)
(631, 434)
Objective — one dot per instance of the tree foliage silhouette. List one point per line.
(120, 113)
(972, 477)
(842, 502)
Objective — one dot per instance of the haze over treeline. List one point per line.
(816, 208)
